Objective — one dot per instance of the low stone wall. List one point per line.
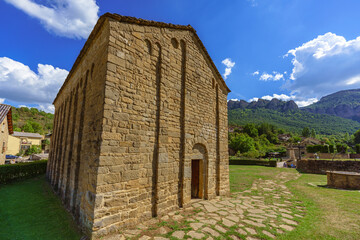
(343, 180)
(354, 155)
(321, 166)
(328, 156)
(270, 163)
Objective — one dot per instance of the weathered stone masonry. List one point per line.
(140, 125)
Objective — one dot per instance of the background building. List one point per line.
(21, 141)
(6, 128)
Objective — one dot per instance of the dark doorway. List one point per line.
(195, 179)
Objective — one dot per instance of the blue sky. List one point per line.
(289, 49)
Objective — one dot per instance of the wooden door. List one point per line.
(195, 178)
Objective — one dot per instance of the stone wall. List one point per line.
(328, 155)
(74, 152)
(4, 135)
(321, 166)
(161, 100)
(141, 102)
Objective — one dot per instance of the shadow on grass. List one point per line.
(30, 210)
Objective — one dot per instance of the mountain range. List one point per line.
(345, 104)
(336, 113)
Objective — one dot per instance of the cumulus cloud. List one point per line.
(229, 65)
(301, 102)
(2, 100)
(19, 83)
(324, 65)
(275, 76)
(283, 97)
(304, 103)
(73, 19)
(255, 73)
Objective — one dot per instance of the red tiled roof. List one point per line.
(5, 111)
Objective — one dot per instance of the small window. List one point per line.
(3, 128)
(3, 148)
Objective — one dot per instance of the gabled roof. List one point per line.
(5, 111)
(142, 22)
(27, 134)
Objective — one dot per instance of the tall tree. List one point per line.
(313, 133)
(306, 132)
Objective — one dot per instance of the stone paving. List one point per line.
(265, 211)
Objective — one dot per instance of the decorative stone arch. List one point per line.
(199, 168)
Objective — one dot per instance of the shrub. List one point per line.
(248, 161)
(33, 150)
(357, 148)
(19, 171)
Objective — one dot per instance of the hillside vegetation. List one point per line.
(294, 121)
(344, 104)
(32, 120)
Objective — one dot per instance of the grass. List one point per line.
(30, 210)
(330, 213)
(242, 177)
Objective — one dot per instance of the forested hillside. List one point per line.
(32, 120)
(344, 104)
(294, 121)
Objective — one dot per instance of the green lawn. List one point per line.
(29, 210)
(330, 213)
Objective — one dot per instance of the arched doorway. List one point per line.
(199, 172)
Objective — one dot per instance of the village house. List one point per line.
(19, 142)
(6, 128)
(140, 126)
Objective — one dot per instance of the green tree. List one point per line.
(251, 130)
(313, 133)
(34, 111)
(357, 136)
(305, 132)
(27, 127)
(33, 150)
(242, 142)
(357, 148)
(37, 127)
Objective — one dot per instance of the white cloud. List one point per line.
(324, 65)
(20, 84)
(68, 18)
(229, 65)
(47, 107)
(233, 99)
(2, 100)
(255, 73)
(283, 97)
(306, 102)
(271, 77)
(301, 102)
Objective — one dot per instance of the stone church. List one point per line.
(140, 125)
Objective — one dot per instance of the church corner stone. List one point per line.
(140, 125)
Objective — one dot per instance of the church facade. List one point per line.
(140, 125)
